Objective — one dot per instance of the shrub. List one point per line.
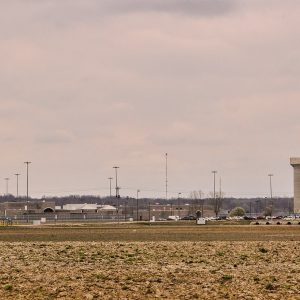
(243, 256)
(226, 278)
(237, 212)
(8, 287)
(270, 287)
(263, 250)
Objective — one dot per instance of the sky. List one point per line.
(86, 85)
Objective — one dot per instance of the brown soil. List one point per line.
(168, 263)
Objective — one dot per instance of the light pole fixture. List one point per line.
(17, 175)
(27, 165)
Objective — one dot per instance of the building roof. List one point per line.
(107, 207)
(80, 206)
(86, 206)
(295, 161)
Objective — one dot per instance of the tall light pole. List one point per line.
(178, 204)
(17, 175)
(201, 202)
(116, 170)
(27, 164)
(214, 172)
(166, 176)
(257, 203)
(215, 200)
(271, 191)
(110, 179)
(6, 179)
(137, 205)
(117, 193)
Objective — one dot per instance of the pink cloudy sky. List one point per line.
(88, 84)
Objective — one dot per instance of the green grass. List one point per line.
(141, 232)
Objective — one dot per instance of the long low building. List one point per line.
(34, 210)
(30, 207)
(85, 207)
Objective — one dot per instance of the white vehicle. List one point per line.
(201, 221)
(289, 218)
(173, 218)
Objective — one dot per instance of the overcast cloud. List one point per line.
(85, 85)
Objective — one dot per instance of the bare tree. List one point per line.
(197, 196)
(217, 201)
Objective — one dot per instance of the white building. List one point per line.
(85, 207)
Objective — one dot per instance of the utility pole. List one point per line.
(110, 179)
(216, 208)
(201, 203)
(166, 176)
(117, 193)
(178, 204)
(257, 202)
(271, 190)
(27, 197)
(125, 212)
(27, 164)
(271, 193)
(17, 175)
(266, 201)
(6, 179)
(137, 205)
(149, 210)
(116, 170)
(214, 172)
(220, 195)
